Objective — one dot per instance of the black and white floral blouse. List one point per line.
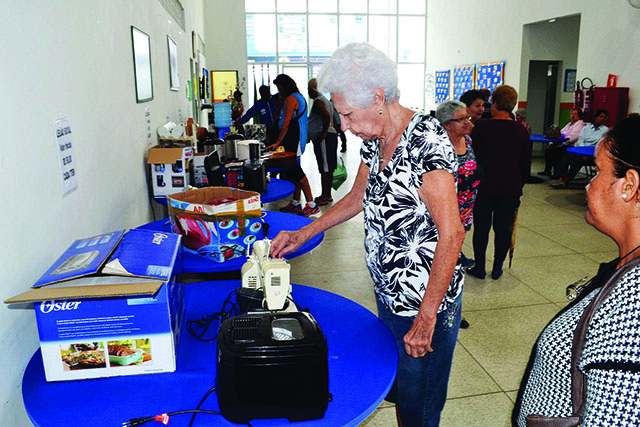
(400, 235)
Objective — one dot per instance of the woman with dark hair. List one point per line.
(292, 135)
(605, 357)
(503, 149)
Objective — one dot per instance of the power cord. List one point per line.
(199, 328)
(164, 418)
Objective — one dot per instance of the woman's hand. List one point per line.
(273, 146)
(286, 242)
(417, 342)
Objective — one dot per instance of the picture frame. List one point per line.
(569, 80)
(174, 79)
(141, 45)
(223, 82)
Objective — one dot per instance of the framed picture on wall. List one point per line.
(569, 80)
(142, 65)
(174, 81)
(224, 83)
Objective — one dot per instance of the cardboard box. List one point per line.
(214, 228)
(110, 306)
(169, 169)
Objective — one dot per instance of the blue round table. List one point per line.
(278, 221)
(276, 189)
(588, 150)
(362, 367)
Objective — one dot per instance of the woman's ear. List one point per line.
(378, 97)
(631, 184)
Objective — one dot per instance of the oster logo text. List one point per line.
(49, 306)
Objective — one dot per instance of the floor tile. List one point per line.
(487, 410)
(355, 285)
(505, 292)
(580, 238)
(501, 340)
(468, 378)
(550, 275)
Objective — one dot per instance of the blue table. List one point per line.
(541, 138)
(276, 189)
(277, 221)
(588, 151)
(362, 367)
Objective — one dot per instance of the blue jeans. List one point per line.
(420, 389)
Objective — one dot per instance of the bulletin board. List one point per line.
(490, 75)
(463, 79)
(442, 85)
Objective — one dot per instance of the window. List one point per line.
(297, 36)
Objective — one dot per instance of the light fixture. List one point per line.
(551, 21)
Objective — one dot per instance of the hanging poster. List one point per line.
(490, 75)
(442, 85)
(463, 79)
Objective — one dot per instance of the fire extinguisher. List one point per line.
(578, 97)
(589, 97)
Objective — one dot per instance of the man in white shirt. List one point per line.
(570, 164)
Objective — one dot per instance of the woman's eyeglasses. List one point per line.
(461, 119)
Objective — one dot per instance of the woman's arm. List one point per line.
(438, 192)
(348, 207)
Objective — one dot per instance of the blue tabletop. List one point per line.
(362, 367)
(541, 138)
(276, 189)
(588, 150)
(278, 221)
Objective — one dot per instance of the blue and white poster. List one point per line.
(442, 85)
(490, 75)
(463, 79)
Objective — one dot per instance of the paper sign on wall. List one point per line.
(64, 147)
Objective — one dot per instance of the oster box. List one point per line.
(110, 306)
(218, 223)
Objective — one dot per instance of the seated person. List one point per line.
(570, 164)
(555, 152)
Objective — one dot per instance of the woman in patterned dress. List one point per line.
(610, 357)
(456, 120)
(406, 186)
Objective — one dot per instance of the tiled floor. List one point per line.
(554, 247)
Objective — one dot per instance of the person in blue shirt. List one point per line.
(263, 106)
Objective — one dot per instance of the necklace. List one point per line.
(576, 288)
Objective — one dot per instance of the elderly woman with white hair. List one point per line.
(456, 120)
(406, 186)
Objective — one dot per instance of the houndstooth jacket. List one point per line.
(610, 361)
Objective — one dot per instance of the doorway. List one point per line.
(541, 100)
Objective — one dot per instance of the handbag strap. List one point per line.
(578, 382)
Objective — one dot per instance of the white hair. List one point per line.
(353, 71)
(445, 111)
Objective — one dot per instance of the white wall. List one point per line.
(467, 31)
(226, 39)
(73, 59)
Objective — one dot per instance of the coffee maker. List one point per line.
(254, 170)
